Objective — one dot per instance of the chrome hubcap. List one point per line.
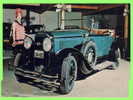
(90, 55)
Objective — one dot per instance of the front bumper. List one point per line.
(38, 77)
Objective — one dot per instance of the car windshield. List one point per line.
(34, 29)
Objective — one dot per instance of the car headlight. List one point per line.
(27, 42)
(47, 44)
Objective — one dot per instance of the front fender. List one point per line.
(64, 52)
(75, 52)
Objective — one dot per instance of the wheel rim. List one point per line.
(119, 54)
(90, 55)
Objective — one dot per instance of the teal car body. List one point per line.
(73, 38)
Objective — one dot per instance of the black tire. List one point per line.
(89, 52)
(116, 56)
(68, 74)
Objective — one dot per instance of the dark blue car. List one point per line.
(55, 58)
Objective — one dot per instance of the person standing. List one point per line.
(18, 30)
(18, 35)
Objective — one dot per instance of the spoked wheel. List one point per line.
(89, 52)
(90, 56)
(68, 74)
(116, 57)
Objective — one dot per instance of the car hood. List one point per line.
(68, 33)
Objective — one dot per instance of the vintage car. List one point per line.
(55, 58)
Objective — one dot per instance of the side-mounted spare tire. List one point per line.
(89, 52)
(68, 74)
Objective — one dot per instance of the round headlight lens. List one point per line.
(27, 42)
(47, 44)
